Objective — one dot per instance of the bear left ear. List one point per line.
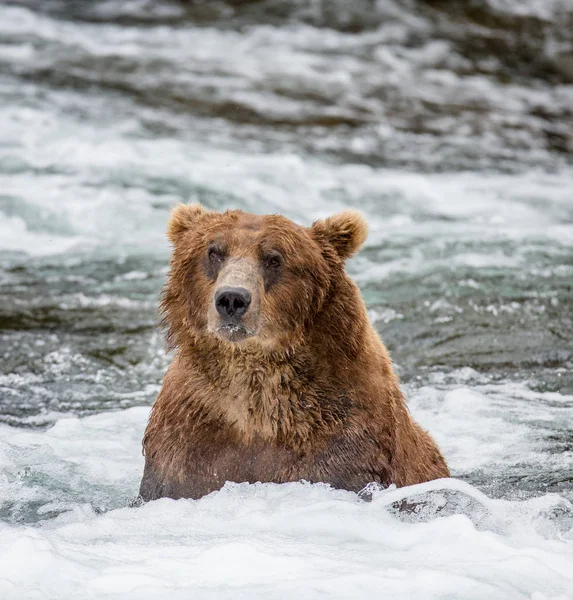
(183, 217)
(345, 231)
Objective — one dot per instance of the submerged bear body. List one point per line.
(278, 376)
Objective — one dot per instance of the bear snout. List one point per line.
(232, 302)
(234, 312)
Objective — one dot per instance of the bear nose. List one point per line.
(232, 302)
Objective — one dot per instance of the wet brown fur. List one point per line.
(312, 397)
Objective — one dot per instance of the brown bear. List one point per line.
(277, 375)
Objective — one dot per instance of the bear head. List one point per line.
(246, 279)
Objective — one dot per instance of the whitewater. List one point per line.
(453, 136)
(262, 540)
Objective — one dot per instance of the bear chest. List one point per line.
(206, 464)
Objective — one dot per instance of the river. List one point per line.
(448, 124)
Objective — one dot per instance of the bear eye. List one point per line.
(215, 255)
(273, 260)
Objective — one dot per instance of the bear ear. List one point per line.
(345, 231)
(183, 217)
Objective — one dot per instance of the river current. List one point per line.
(448, 124)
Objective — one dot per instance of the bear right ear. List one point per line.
(345, 231)
(183, 217)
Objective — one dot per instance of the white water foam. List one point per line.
(94, 209)
(273, 541)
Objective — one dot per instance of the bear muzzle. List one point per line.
(235, 308)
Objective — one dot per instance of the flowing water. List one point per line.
(449, 124)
